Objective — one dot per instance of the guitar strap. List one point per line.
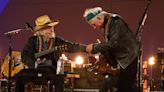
(41, 45)
(106, 31)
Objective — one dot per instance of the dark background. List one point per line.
(72, 24)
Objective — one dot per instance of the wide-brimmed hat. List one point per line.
(43, 22)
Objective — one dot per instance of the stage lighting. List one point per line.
(79, 60)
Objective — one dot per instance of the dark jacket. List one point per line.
(122, 46)
(30, 49)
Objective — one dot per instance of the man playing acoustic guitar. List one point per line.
(42, 52)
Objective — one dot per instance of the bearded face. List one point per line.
(47, 33)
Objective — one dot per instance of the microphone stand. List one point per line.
(9, 35)
(138, 37)
(10, 57)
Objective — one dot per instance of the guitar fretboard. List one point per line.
(39, 54)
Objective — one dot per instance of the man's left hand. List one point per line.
(89, 48)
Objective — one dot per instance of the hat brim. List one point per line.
(51, 24)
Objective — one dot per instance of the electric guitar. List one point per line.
(102, 66)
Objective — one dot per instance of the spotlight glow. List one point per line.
(97, 56)
(151, 60)
(79, 60)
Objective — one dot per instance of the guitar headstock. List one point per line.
(62, 48)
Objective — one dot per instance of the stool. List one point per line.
(41, 83)
(39, 87)
(40, 77)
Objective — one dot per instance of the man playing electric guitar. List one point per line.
(120, 43)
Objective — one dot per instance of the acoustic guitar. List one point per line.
(16, 64)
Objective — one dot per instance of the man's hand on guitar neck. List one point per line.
(89, 47)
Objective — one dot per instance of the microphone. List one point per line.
(28, 27)
(13, 32)
(17, 31)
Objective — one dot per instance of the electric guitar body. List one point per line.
(102, 66)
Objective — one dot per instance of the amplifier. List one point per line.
(82, 79)
(87, 80)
